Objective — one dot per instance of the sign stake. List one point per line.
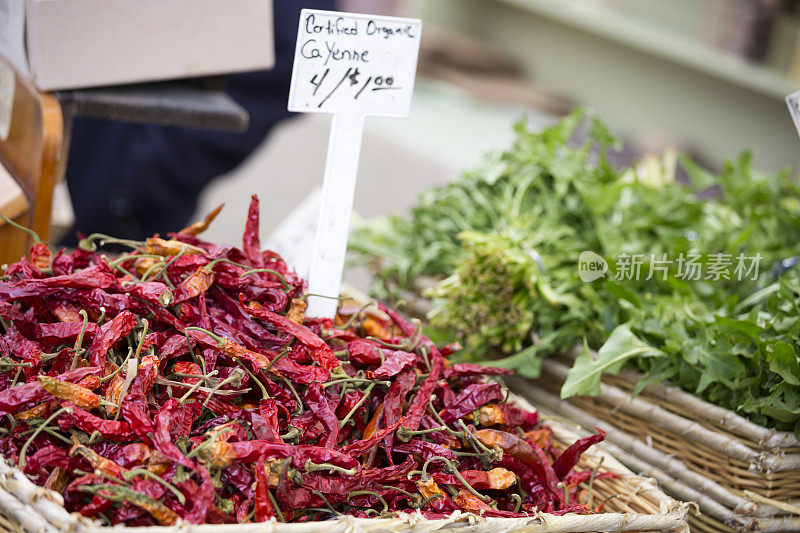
(353, 66)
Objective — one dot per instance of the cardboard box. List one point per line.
(67, 44)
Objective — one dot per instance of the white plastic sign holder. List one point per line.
(353, 66)
(793, 101)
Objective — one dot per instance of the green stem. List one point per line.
(29, 231)
(353, 318)
(194, 387)
(404, 434)
(78, 348)
(299, 408)
(89, 245)
(22, 462)
(590, 495)
(16, 377)
(518, 501)
(368, 493)
(158, 479)
(275, 506)
(264, 393)
(103, 475)
(360, 380)
(356, 406)
(452, 469)
(563, 486)
(236, 374)
(311, 466)
(318, 493)
(280, 356)
(293, 433)
(257, 270)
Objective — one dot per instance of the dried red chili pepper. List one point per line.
(507, 415)
(114, 430)
(150, 454)
(71, 392)
(153, 292)
(569, 457)
(318, 403)
(195, 285)
(320, 352)
(470, 399)
(110, 333)
(264, 509)
(395, 362)
(199, 227)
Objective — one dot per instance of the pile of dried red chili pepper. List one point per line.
(182, 381)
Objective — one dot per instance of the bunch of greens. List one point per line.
(690, 294)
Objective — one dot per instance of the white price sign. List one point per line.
(350, 65)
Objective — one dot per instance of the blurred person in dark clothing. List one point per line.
(132, 180)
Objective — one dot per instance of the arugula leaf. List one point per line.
(584, 376)
(783, 361)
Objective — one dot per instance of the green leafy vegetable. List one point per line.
(689, 294)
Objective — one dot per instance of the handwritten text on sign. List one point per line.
(347, 62)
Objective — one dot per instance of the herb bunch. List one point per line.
(521, 221)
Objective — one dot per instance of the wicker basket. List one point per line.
(743, 476)
(632, 503)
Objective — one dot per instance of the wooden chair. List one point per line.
(34, 154)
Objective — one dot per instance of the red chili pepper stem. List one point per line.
(152, 268)
(22, 462)
(600, 507)
(590, 495)
(130, 257)
(398, 489)
(404, 434)
(427, 500)
(104, 475)
(16, 377)
(293, 433)
(275, 273)
(236, 375)
(561, 485)
(197, 385)
(29, 231)
(517, 501)
(356, 315)
(352, 411)
(213, 435)
(311, 466)
(283, 353)
(57, 435)
(298, 410)
(495, 454)
(432, 410)
(8, 362)
(88, 244)
(275, 506)
(355, 493)
(423, 351)
(339, 381)
(78, 348)
(334, 511)
(453, 469)
(118, 493)
(130, 474)
(219, 340)
(264, 393)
